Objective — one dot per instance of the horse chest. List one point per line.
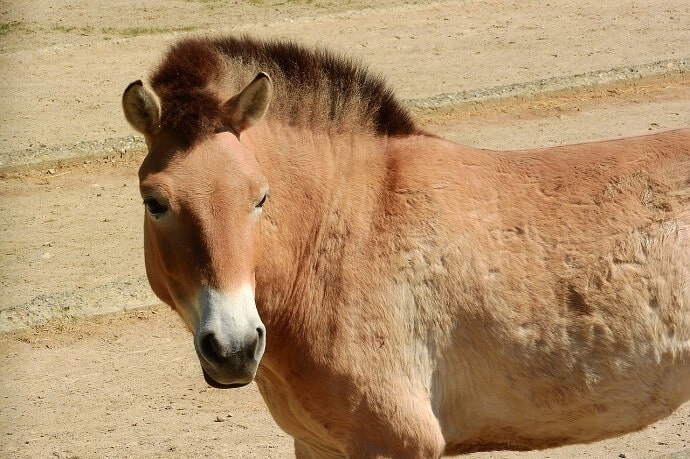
(290, 406)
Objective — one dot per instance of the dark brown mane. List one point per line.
(311, 86)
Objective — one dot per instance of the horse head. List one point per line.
(203, 202)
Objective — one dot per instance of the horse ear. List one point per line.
(249, 106)
(141, 108)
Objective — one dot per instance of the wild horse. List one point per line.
(396, 294)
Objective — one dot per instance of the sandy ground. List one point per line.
(127, 384)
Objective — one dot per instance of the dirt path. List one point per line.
(127, 384)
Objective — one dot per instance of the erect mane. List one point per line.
(312, 87)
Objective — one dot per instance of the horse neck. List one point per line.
(320, 184)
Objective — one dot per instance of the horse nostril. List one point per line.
(259, 343)
(211, 348)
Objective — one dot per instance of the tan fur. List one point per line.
(422, 297)
(471, 300)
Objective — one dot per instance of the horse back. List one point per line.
(565, 311)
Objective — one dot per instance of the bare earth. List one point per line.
(90, 364)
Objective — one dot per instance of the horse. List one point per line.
(395, 294)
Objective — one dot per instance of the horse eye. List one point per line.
(155, 207)
(260, 204)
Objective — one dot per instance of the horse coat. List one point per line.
(394, 294)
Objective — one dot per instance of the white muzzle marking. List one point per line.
(230, 339)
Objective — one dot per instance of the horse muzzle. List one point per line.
(231, 339)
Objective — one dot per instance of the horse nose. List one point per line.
(231, 353)
(228, 362)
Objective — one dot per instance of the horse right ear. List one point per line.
(141, 108)
(250, 105)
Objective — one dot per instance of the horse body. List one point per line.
(507, 300)
(417, 297)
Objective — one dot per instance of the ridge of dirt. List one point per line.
(584, 82)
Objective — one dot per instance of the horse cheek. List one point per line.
(155, 268)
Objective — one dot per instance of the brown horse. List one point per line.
(395, 294)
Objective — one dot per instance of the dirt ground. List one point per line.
(90, 364)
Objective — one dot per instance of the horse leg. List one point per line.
(408, 429)
(304, 450)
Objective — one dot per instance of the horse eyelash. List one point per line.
(158, 208)
(261, 203)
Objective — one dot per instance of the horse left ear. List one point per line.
(250, 105)
(142, 108)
